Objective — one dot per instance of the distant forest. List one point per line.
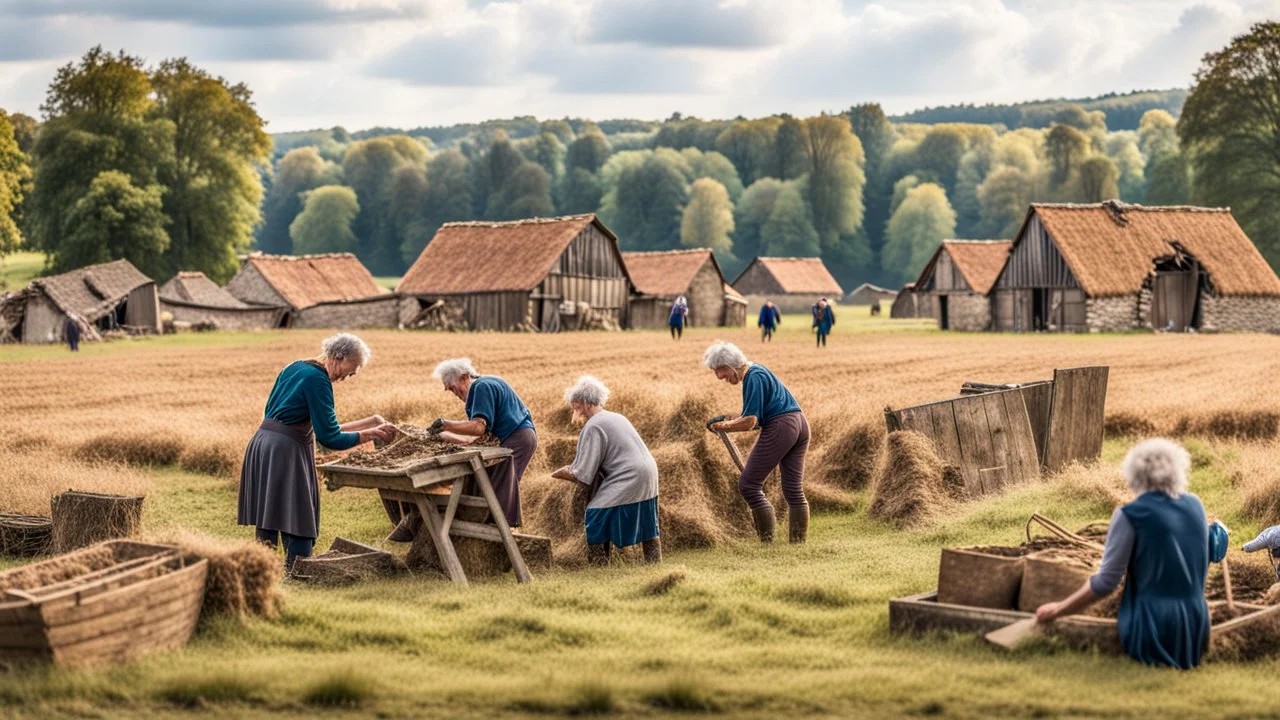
(1123, 111)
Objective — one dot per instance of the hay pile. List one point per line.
(1231, 425)
(1251, 579)
(849, 462)
(244, 575)
(81, 519)
(1127, 425)
(57, 569)
(909, 488)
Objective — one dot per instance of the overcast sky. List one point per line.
(406, 63)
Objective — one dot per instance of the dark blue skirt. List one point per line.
(623, 525)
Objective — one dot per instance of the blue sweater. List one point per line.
(765, 397)
(493, 399)
(303, 391)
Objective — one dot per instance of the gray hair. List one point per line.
(589, 391)
(724, 355)
(1157, 465)
(450, 371)
(345, 345)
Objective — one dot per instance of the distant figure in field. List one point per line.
(613, 467)
(679, 312)
(72, 332)
(1269, 540)
(1159, 544)
(770, 317)
(783, 441)
(875, 309)
(823, 318)
(279, 493)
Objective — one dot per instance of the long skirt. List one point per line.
(623, 525)
(278, 487)
(505, 476)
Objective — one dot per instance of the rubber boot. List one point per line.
(407, 529)
(765, 523)
(799, 517)
(598, 554)
(652, 551)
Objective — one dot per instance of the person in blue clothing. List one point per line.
(783, 442)
(1269, 540)
(1159, 545)
(278, 488)
(769, 319)
(676, 320)
(492, 407)
(823, 318)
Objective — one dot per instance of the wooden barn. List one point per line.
(190, 297)
(868, 294)
(332, 290)
(661, 277)
(110, 296)
(959, 277)
(793, 284)
(541, 274)
(1113, 267)
(911, 304)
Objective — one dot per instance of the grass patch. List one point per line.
(201, 691)
(340, 689)
(592, 699)
(681, 696)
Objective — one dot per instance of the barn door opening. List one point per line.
(944, 320)
(1175, 294)
(1039, 308)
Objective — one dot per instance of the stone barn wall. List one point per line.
(381, 312)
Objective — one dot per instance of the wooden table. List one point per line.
(437, 483)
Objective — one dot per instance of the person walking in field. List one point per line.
(784, 438)
(1159, 544)
(823, 318)
(72, 332)
(613, 467)
(279, 494)
(492, 406)
(768, 321)
(676, 320)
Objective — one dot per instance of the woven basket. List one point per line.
(25, 535)
(968, 576)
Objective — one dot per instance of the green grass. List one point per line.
(387, 281)
(743, 631)
(17, 269)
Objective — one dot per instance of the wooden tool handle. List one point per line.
(733, 449)
(1226, 582)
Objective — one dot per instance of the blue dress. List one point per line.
(1164, 619)
(823, 319)
(676, 318)
(769, 317)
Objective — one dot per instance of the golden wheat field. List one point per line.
(725, 626)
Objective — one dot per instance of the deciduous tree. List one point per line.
(324, 225)
(115, 219)
(921, 222)
(708, 217)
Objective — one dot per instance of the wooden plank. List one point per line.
(426, 477)
(1025, 462)
(918, 418)
(444, 546)
(500, 519)
(975, 442)
(1038, 397)
(946, 440)
(1076, 416)
(998, 423)
(451, 507)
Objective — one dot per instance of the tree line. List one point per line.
(170, 168)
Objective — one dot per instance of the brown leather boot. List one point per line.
(765, 522)
(598, 554)
(652, 551)
(407, 529)
(799, 516)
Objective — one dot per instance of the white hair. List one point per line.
(345, 345)
(1157, 465)
(724, 355)
(589, 391)
(452, 370)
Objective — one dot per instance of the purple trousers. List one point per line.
(784, 441)
(505, 476)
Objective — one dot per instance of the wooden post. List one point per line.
(444, 546)
(500, 519)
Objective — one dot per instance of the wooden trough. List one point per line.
(347, 561)
(110, 602)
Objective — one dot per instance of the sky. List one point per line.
(410, 63)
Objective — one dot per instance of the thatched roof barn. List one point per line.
(332, 290)
(114, 295)
(911, 304)
(1113, 267)
(543, 274)
(793, 284)
(960, 276)
(661, 277)
(191, 297)
(868, 294)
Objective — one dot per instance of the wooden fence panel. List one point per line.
(1038, 398)
(1076, 416)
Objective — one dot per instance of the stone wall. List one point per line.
(790, 305)
(1112, 314)
(249, 286)
(706, 297)
(380, 313)
(968, 312)
(1251, 314)
(224, 318)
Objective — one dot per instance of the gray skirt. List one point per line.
(278, 486)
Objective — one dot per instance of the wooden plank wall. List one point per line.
(1038, 397)
(1076, 415)
(1035, 262)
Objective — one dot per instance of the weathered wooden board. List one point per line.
(1076, 416)
(1038, 397)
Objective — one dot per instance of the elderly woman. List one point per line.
(614, 463)
(823, 319)
(677, 318)
(492, 407)
(278, 489)
(784, 438)
(768, 321)
(1159, 544)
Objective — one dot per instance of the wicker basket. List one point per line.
(970, 576)
(25, 535)
(1049, 577)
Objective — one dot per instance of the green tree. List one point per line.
(407, 212)
(547, 150)
(645, 205)
(750, 214)
(299, 171)
(921, 222)
(1230, 129)
(713, 165)
(940, 152)
(369, 168)
(1157, 133)
(588, 151)
(1122, 148)
(25, 128)
(1168, 180)
(324, 225)
(1004, 198)
(789, 154)
(1097, 177)
(708, 218)
(114, 220)
(561, 129)
(975, 165)
(580, 192)
(788, 232)
(1066, 147)
(14, 172)
(750, 146)
(900, 190)
(448, 191)
(525, 194)
(836, 177)
(877, 136)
